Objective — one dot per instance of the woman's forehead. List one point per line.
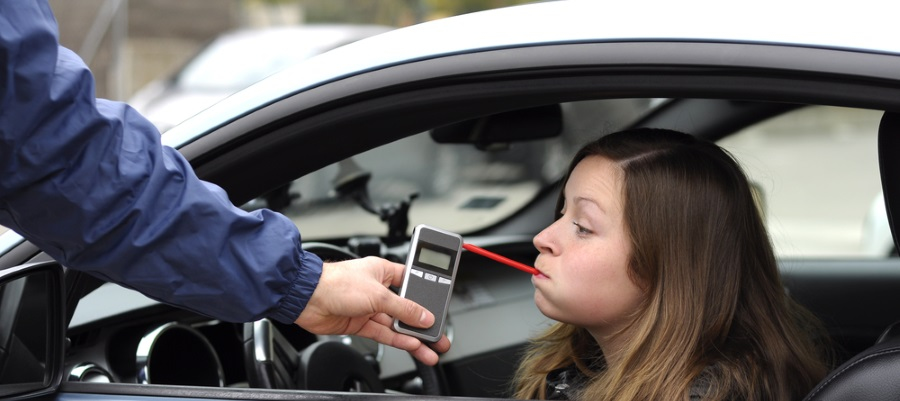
(595, 180)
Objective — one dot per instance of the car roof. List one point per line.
(326, 33)
(796, 23)
(861, 28)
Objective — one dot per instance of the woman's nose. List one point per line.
(543, 241)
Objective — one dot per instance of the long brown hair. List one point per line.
(715, 306)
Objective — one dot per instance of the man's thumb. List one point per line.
(412, 313)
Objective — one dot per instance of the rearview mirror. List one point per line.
(32, 330)
(529, 124)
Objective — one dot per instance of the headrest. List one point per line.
(889, 164)
(871, 375)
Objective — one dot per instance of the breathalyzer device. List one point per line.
(429, 277)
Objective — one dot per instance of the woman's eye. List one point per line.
(581, 229)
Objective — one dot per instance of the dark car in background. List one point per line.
(467, 124)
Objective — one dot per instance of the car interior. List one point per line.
(871, 371)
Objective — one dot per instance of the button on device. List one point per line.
(430, 277)
(443, 280)
(415, 272)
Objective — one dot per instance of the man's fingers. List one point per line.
(356, 304)
(407, 311)
(396, 272)
(433, 349)
(442, 345)
(425, 355)
(384, 320)
(376, 330)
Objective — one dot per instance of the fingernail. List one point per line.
(423, 317)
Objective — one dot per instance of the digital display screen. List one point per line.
(434, 258)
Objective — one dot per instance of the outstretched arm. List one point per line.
(88, 181)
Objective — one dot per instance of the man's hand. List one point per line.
(352, 298)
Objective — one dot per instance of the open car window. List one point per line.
(458, 187)
(817, 171)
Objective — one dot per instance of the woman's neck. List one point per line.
(611, 345)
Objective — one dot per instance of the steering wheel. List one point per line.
(326, 365)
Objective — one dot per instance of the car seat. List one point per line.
(874, 374)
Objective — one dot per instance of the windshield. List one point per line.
(457, 187)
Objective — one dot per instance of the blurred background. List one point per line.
(129, 44)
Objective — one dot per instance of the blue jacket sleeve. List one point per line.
(88, 181)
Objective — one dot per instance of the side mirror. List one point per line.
(32, 330)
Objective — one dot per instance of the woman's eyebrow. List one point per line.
(590, 201)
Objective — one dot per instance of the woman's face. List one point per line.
(584, 255)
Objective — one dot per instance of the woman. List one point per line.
(664, 284)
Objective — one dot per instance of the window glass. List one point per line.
(817, 170)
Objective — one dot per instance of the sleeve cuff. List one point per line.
(301, 289)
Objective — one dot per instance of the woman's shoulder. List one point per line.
(563, 383)
(701, 385)
(567, 382)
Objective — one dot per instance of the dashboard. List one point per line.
(120, 336)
